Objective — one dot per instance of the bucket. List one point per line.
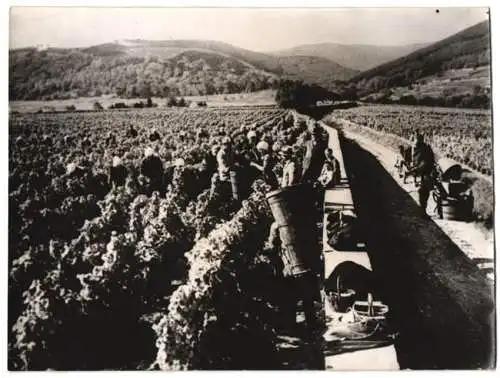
(293, 209)
(458, 210)
(341, 299)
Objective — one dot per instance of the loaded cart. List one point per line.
(452, 194)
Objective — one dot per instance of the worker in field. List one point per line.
(326, 176)
(301, 287)
(291, 173)
(209, 166)
(75, 170)
(86, 143)
(403, 162)
(201, 134)
(117, 173)
(266, 164)
(247, 154)
(251, 146)
(423, 168)
(131, 132)
(413, 141)
(335, 166)
(111, 139)
(225, 177)
(152, 171)
(154, 136)
(314, 157)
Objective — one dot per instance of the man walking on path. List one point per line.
(423, 167)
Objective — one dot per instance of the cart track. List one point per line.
(440, 302)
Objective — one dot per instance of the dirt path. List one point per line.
(475, 242)
(440, 302)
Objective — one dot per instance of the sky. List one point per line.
(254, 29)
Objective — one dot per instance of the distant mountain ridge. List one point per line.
(357, 57)
(467, 49)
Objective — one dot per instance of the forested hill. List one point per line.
(469, 48)
(112, 68)
(137, 68)
(315, 70)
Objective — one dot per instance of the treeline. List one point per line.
(475, 100)
(71, 73)
(297, 95)
(138, 105)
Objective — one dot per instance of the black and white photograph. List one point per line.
(238, 188)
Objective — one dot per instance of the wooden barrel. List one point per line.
(293, 209)
(459, 210)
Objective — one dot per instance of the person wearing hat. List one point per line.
(131, 132)
(117, 173)
(226, 168)
(267, 165)
(252, 154)
(336, 177)
(154, 136)
(290, 168)
(423, 161)
(314, 156)
(111, 139)
(152, 170)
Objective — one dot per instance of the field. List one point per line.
(86, 103)
(108, 277)
(453, 82)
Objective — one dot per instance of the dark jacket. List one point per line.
(118, 175)
(314, 159)
(152, 167)
(154, 136)
(423, 160)
(131, 133)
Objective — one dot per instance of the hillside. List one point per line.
(468, 49)
(356, 57)
(315, 70)
(168, 49)
(135, 70)
(138, 68)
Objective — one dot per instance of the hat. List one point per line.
(251, 134)
(226, 140)
(148, 151)
(263, 146)
(179, 162)
(116, 161)
(277, 146)
(70, 168)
